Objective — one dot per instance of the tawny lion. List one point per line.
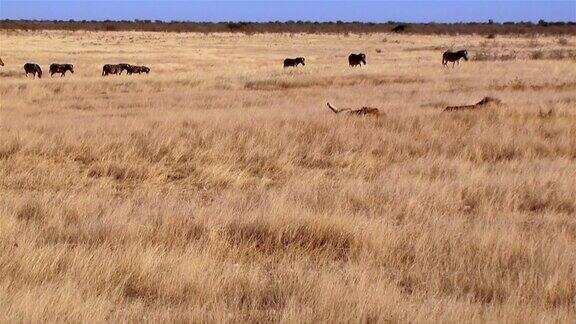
(350, 111)
(484, 102)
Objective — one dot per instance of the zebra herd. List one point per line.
(117, 69)
(360, 58)
(353, 60)
(36, 71)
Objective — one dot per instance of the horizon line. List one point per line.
(289, 21)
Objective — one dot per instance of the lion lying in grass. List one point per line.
(486, 101)
(350, 111)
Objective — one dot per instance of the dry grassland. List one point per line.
(221, 188)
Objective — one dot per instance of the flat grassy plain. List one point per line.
(221, 188)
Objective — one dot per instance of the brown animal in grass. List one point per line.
(61, 68)
(1, 63)
(111, 69)
(293, 62)
(454, 57)
(144, 69)
(486, 101)
(124, 67)
(34, 69)
(357, 59)
(362, 111)
(138, 69)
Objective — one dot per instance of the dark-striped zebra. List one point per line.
(111, 69)
(61, 68)
(293, 62)
(454, 57)
(34, 69)
(357, 59)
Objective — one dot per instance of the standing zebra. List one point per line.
(61, 68)
(293, 62)
(34, 69)
(454, 57)
(357, 59)
(111, 69)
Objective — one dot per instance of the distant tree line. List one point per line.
(487, 28)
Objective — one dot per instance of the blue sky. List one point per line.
(267, 10)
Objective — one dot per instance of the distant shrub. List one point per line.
(547, 114)
(533, 43)
(557, 55)
(562, 41)
(491, 30)
(537, 55)
(10, 74)
(517, 84)
(485, 56)
(31, 211)
(508, 56)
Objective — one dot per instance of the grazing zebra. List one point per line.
(111, 69)
(34, 69)
(454, 57)
(124, 67)
(61, 68)
(357, 59)
(294, 62)
(133, 69)
(138, 69)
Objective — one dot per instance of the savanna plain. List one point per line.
(220, 187)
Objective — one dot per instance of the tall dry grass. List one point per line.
(220, 187)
